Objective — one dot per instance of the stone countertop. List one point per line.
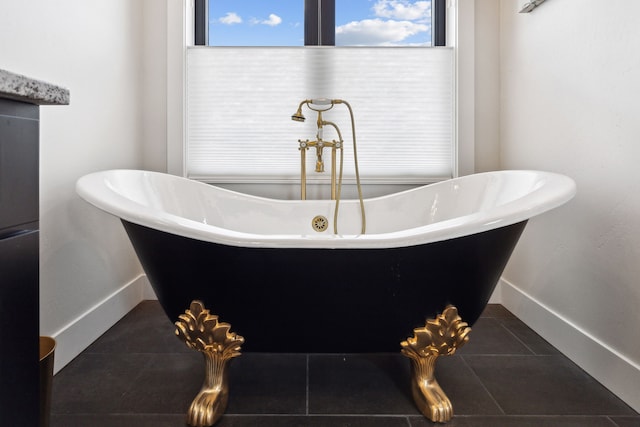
(21, 88)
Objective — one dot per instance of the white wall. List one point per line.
(89, 275)
(154, 84)
(570, 103)
(487, 85)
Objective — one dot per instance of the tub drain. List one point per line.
(319, 223)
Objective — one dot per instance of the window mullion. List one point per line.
(319, 22)
(439, 14)
(201, 26)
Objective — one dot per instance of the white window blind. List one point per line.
(240, 101)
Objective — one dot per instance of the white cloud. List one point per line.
(376, 32)
(231, 18)
(402, 9)
(272, 21)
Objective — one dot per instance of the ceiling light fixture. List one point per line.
(529, 6)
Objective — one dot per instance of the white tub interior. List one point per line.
(450, 208)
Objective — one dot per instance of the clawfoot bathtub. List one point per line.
(417, 280)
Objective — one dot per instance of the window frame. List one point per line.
(320, 22)
(460, 30)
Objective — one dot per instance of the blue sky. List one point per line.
(281, 22)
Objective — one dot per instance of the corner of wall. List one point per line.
(462, 30)
(487, 85)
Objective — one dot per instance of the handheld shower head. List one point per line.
(298, 116)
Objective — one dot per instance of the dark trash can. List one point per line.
(47, 349)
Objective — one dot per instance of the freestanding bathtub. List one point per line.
(427, 265)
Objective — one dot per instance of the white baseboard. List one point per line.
(612, 369)
(86, 328)
(496, 296)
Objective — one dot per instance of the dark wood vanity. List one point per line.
(20, 100)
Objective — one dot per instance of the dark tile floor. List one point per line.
(139, 375)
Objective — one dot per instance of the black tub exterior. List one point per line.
(324, 300)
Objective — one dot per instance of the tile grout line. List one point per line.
(464, 360)
(517, 338)
(613, 423)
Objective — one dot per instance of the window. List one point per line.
(255, 23)
(320, 22)
(239, 99)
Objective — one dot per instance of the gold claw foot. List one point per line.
(439, 337)
(202, 331)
